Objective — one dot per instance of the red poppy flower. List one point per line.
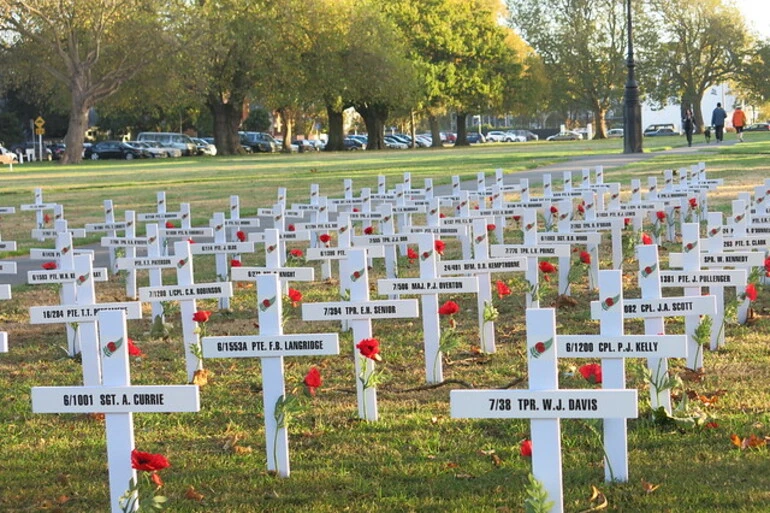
(369, 348)
(517, 218)
(592, 373)
(554, 210)
(751, 292)
(46, 218)
(439, 246)
(581, 208)
(49, 266)
(449, 308)
(693, 202)
(297, 253)
(546, 267)
(133, 350)
(441, 215)
(191, 241)
(291, 228)
(112, 347)
(313, 380)
(295, 296)
(355, 209)
(325, 238)
(626, 221)
(170, 225)
(525, 449)
(660, 215)
(540, 347)
(266, 303)
(241, 235)
(585, 257)
(646, 239)
(491, 227)
(411, 254)
(201, 316)
(767, 264)
(369, 230)
(236, 263)
(502, 289)
(148, 462)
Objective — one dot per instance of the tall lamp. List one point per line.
(632, 109)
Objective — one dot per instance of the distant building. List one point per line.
(673, 113)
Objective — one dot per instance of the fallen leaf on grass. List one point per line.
(242, 450)
(490, 452)
(496, 460)
(598, 497)
(201, 377)
(452, 464)
(193, 495)
(649, 487)
(464, 476)
(695, 376)
(750, 442)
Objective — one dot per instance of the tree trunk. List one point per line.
(336, 130)
(435, 132)
(462, 130)
(227, 119)
(287, 129)
(374, 117)
(412, 130)
(600, 122)
(76, 130)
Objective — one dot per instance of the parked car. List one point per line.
(112, 150)
(758, 127)
(170, 139)
(394, 144)
(475, 138)
(615, 132)
(21, 149)
(496, 136)
(304, 145)
(660, 131)
(449, 137)
(669, 129)
(204, 147)
(144, 150)
(526, 134)
(351, 143)
(567, 135)
(154, 152)
(169, 151)
(57, 150)
(259, 142)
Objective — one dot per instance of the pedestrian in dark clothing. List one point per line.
(718, 122)
(688, 125)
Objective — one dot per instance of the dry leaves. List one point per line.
(750, 442)
(201, 377)
(193, 494)
(649, 487)
(596, 497)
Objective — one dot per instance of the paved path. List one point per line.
(609, 161)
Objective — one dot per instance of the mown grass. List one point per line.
(416, 458)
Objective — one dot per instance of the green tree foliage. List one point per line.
(89, 47)
(583, 46)
(752, 76)
(702, 44)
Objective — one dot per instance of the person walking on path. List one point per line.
(718, 122)
(739, 122)
(688, 125)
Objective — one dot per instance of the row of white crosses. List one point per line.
(6, 268)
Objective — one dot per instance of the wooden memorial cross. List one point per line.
(653, 308)
(154, 262)
(428, 286)
(545, 405)
(236, 223)
(715, 279)
(220, 248)
(161, 216)
(272, 264)
(271, 346)
(6, 268)
(111, 227)
(613, 346)
(39, 207)
(83, 313)
(187, 231)
(186, 291)
(52, 233)
(359, 312)
(118, 400)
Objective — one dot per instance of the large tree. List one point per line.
(90, 47)
(702, 44)
(582, 44)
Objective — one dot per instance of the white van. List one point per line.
(171, 140)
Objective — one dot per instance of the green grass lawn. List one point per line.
(416, 458)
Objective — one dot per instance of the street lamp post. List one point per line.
(632, 109)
